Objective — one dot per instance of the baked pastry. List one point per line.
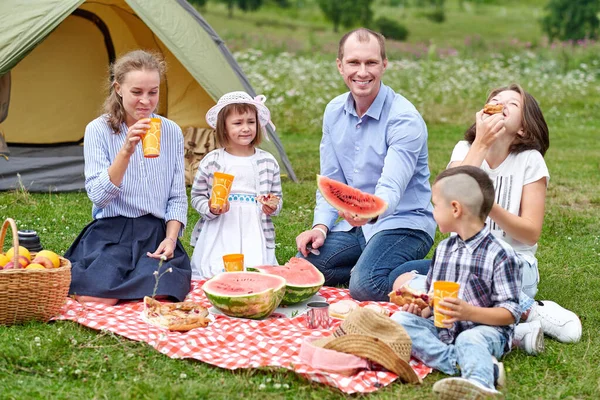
(342, 308)
(268, 200)
(182, 316)
(493, 108)
(406, 295)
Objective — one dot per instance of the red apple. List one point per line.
(45, 261)
(23, 261)
(9, 265)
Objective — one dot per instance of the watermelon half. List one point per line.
(348, 199)
(251, 295)
(302, 279)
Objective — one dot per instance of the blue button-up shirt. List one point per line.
(384, 152)
(150, 185)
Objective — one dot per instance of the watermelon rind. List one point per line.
(349, 199)
(295, 294)
(256, 305)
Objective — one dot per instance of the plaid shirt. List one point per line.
(489, 274)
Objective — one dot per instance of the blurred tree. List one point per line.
(572, 19)
(347, 12)
(244, 5)
(201, 4)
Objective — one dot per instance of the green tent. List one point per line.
(54, 58)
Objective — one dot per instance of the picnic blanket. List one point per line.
(234, 342)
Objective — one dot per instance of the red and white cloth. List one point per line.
(234, 342)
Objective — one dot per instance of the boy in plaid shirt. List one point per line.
(487, 307)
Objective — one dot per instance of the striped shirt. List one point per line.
(150, 185)
(268, 180)
(489, 274)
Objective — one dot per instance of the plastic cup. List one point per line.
(442, 289)
(220, 189)
(233, 262)
(151, 140)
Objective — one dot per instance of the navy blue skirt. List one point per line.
(109, 260)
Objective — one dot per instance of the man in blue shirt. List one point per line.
(376, 141)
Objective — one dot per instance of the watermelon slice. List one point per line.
(302, 278)
(348, 199)
(245, 294)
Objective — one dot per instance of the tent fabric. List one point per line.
(58, 53)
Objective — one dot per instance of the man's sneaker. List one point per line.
(463, 389)
(557, 322)
(499, 374)
(529, 337)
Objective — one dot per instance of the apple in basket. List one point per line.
(23, 262)
(45, 261)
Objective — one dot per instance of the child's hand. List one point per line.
(268, 210)
(134, 135)
(488, 128)
(459, 310)
(220, 209)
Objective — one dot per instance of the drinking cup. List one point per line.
(220, 189)
(233, 262)
(151, 139)
(442, 289)
(317, 316)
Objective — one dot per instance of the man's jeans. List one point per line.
(472, 350)
(369, 268)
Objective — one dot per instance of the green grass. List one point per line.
(69, 361)
(65, 360)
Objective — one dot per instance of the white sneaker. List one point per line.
(529, 337)
(557, 322)
(499, 373)
(463, 389)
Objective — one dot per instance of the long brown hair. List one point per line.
(239, 108)
(137, 60)
(535, 130)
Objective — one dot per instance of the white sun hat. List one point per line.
(264, 115)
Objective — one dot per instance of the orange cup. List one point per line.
(442, 289)
(233, 262)
(220, 189)
(151, 139)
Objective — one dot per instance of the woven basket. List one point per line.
(31, 294)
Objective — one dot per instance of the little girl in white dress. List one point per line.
(243, 225)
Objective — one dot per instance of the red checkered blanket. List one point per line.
(234, 343)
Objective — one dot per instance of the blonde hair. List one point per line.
(239, 108)
(137, 60)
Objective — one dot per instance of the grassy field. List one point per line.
(64, 360)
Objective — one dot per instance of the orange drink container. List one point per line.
(151, 140)
(442, 289)
(220, 189)
(233, 262)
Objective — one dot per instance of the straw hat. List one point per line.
(264, 115)
(376, 337)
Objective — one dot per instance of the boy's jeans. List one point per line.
(369, 268)
(472, 349)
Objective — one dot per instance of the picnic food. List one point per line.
(50, 255)
(181, 317)
(268, 200)
(253, 295)
(302, 279)
(406, 295)
(348, 199)
(22, 252)
(342, 308)
(493, 108)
